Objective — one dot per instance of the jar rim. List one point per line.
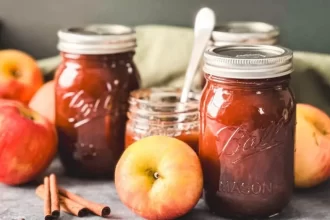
(97, 39)
(162, 106)
(163, 97)
(246, 31)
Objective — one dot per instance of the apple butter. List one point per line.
(92, 87)
(247, 127)
(158, 111)
(242, 32)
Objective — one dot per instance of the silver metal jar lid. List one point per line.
(248, 61)
(97, 39)
(245, 32)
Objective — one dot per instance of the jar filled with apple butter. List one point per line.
(247, 128)
(242, 32)
(158, 111)
(92, 87)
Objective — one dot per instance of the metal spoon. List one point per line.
(204, 25)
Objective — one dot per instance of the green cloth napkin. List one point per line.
(163, 53)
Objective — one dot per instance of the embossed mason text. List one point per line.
(245, 188)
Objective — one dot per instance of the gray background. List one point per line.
(31, 25)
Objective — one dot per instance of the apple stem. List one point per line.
(314, 136)
(27, 116)
(15, 73)
(156, 175)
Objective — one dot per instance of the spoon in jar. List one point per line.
(204, 25)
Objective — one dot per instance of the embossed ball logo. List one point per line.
(238, 143)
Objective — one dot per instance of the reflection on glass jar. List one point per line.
(244, 32)
(92, 85)
(247, 130)
(158, 111)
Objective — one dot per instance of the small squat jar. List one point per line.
(247, 127)
(158, 111)
(92, 86)
(242, 32)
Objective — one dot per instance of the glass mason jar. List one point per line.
(158, 111)
(242, 32)
(92, 86)
(247, 127)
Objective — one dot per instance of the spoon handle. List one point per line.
(200, 41)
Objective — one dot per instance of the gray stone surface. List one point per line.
(17, 203)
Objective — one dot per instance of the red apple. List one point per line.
(159, 177)
(20, 76)
(312, 146)
(43, 101)
(28, 143)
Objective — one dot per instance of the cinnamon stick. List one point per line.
(46, 194)
(98, 209)
(66, 204)
(55, 205)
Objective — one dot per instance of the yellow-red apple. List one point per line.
(312, 146)
(28, 143)
(20, 76)
(43, 101)
(159, 177)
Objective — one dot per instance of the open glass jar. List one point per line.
(158, 111)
